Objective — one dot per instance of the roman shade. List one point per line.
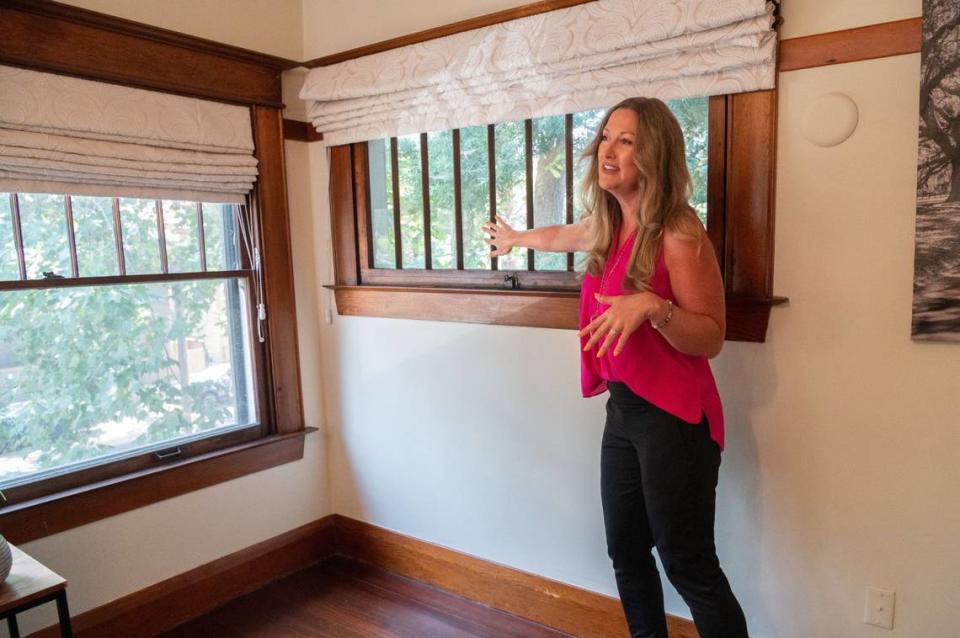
(583, 57)
(66, 135)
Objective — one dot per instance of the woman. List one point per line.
(651, 314)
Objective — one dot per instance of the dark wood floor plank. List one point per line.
(341, 598)
(479, 619)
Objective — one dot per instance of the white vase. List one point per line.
(6, 559)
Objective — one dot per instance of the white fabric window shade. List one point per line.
(79, 137)
(583, 57)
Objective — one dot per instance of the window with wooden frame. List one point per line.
(128, 337)
(374, 201)
(155, 300)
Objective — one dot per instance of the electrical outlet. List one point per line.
(879, 607)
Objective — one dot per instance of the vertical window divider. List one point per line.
(201, 239)
(568, 148)
(71, 235)
(528, 166)
(425, 192)
(18, 235)
(395, 178)
(492, 173)
(162, 238)
(118, 237)
(457, 199)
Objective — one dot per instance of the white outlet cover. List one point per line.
(879, 607)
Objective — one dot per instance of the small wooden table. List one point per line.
(31, 584)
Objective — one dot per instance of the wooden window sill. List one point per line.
(27, 521)
(747, 317)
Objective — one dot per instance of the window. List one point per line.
(429, 194)
(731, 144)
(126, 336)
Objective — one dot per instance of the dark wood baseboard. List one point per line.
(166, 604)
(576, 611)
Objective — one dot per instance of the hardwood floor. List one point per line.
(341, 598)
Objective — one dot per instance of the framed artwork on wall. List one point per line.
(936, 277)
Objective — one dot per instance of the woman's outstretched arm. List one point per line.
(562, 238)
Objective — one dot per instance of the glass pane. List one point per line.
(411, 202)
(474, 195)
(511, 186)
(168, 361)
(443, 232)
(9, 268)
(96, 243)
(182, 236)
(44, 224)
(220, 236)
(381, 203)
(585, 128)
(141, 244)
(549, 184)
(693, 115)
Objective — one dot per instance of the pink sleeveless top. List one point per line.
(677, 383)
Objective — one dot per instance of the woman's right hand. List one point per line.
(502, 237)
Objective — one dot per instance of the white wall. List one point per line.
(123, 554)
(842, 437)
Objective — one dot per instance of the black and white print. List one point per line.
(936, 279)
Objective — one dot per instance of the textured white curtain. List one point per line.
(65, 135)
(584, 57)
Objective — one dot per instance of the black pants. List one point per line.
(658, 479)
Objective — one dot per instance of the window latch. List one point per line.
(52, 275)
(514, 280)
(164, 455)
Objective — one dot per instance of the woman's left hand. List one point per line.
(625, 314)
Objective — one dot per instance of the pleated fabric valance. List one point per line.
(584, 57)
(70, 136)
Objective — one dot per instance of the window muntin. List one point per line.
(103, 366)
(539, 146)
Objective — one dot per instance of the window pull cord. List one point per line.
(254, 253)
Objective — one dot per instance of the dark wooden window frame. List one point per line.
(742, 158)
(47, 36)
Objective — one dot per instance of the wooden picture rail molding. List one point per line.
(53, 37)
(850, 45)
(297, 131)
(171, 602)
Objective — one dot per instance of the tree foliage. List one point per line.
(79, 358)
(549, 186)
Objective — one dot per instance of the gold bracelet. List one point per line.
(666, 319)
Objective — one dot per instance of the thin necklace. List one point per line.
(603, 278)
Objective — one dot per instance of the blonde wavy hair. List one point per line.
(664, 182)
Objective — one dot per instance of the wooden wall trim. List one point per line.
(272, 224)
(166, 604)
(48, 36)
(297, 131)
(448, 29)
(343, 218)
(750, 197)
(850, 45)
(747, 316)
(505, 308)
(578, 611)
(27, 521)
